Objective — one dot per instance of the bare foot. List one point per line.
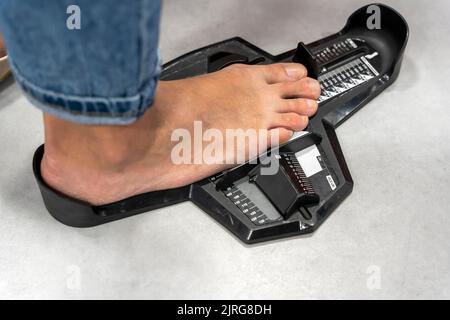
(103, 164)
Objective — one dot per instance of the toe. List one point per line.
(282, 72)
(304, 107)
(305, 88)
(279, 136)
(290, 121)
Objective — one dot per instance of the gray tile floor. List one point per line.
(389, 239)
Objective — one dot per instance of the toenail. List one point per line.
(295, 71)
(314, 86)
(304, 120)
(312, 105)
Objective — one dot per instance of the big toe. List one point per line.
(283, 72)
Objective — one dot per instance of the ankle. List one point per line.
(93, 147)
(91, 163)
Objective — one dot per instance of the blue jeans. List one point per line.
(104, 73)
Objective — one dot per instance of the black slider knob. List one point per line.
(305, 57)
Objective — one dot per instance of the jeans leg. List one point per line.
(103, 73)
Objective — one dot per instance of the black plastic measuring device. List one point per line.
(353, 66)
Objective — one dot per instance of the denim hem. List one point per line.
(89, 110)
(63, 114)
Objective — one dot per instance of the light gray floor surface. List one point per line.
(389, 239)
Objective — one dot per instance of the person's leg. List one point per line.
(103, 141)
(2, 47)
(4, 67)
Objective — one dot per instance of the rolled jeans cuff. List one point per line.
(90, 110)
